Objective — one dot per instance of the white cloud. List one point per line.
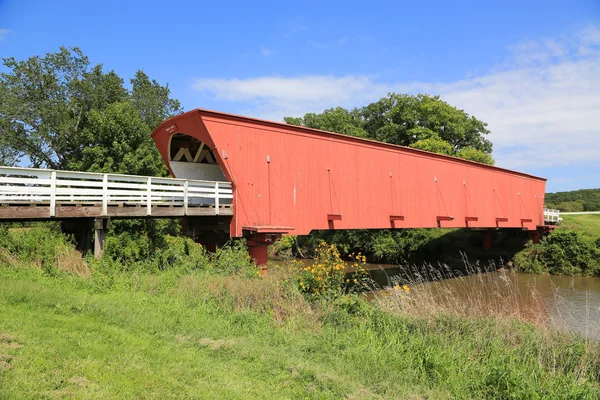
(542, 104)
(4, 34)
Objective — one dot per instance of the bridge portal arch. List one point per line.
(190, 158)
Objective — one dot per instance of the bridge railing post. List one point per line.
(53, 194)
(185, 197)
(216, 198)
(149, 197)
(105, 195)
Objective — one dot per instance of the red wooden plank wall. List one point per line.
(287, 176)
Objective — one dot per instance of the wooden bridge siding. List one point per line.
(358, 179)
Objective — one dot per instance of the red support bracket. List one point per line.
(394, 218)
(334, 217)
(470, 219)
(500, 219)
(441, 218)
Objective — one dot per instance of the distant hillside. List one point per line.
(576, 200)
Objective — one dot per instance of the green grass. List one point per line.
(588, 224)
(201, 335)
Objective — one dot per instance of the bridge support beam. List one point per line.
(101, 225)
(487, 239)
(536, 235)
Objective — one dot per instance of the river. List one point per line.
(566, 302)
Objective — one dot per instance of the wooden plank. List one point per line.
(23, 181)
(39, 173)
(24, 212)
(198, 153)
(127, 178)
(183, 152)
(25, 189)
(73, 183)
(92, 176)
(131, 212)
(201, 211)
(78, 212)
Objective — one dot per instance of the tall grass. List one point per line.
(486, 291)
(474, 291)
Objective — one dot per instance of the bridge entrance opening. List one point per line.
(189, 158)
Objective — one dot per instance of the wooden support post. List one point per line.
(101, 225)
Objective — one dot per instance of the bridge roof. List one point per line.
(295, 128)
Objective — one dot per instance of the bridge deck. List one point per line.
(37, 194)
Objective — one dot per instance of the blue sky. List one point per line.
(531, 69)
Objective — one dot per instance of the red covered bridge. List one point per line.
(292, 180)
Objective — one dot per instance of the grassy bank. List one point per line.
(196, 331)
(587, 224)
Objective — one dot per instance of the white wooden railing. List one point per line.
(44, 186)
(552, 216)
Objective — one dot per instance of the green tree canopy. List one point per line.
(423, 122)
(59, 111)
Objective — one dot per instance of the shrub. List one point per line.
(234, 258)
(563, 252)
(42, 246)
(326, 278)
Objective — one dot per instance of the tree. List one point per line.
(59, 111)
(424, 122)
(121, 143)
(333, 120)
(152, 100)
(570, 206)
(588, 198)
(435, 145)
